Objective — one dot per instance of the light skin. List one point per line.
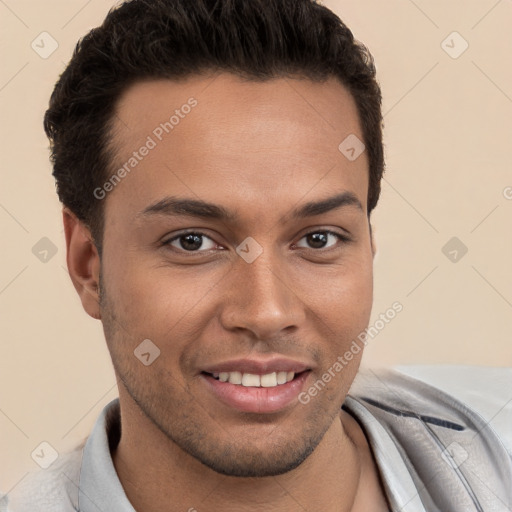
(266, 154)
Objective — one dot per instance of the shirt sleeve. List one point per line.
(485, 390)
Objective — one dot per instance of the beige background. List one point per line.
(448, 127)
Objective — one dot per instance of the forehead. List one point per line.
(220, 137)
(236, 103)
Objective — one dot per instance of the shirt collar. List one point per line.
(100, 489)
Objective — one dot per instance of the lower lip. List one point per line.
(257, 400)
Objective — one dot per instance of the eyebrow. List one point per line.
(343, 200)
(197, 208)
(189, 207)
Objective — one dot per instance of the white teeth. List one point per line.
(251, 380)
(235, 378)
(281, 377)
(269, 380)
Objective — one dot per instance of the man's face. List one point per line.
(292, 298)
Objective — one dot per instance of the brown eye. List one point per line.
(320, 240)
(192, 242)
(317, 240)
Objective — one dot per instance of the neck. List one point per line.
(155, 472)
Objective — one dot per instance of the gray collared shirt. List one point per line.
(86, 480)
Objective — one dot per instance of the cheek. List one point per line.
(172, 305)
(341, 307)
(154, 305)
(159, 302)
(342, 292)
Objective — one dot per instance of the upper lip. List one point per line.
(258, 366)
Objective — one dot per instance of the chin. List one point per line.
(255, 465)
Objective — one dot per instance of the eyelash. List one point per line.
(341, 238)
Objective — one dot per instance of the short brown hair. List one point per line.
(144, 39)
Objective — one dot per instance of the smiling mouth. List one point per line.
(260, 393)
(252, 380)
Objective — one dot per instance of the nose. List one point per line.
(261, 299)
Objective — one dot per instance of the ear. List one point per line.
(83, 262)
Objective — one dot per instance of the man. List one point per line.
(218, 163)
